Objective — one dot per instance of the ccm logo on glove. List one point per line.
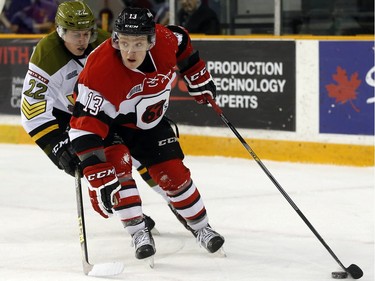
(103, 185)
(59, 145)
(196, 76)
(101, 174)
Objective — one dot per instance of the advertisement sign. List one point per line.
(347, 81)
(255, 83)
(14, 59)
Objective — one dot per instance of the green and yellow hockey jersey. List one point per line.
(47, 99)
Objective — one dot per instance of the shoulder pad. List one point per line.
(182, 36)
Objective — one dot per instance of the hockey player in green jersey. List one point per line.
(54, 66)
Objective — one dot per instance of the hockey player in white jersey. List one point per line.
(54, 66)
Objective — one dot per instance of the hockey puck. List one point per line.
(339, 274)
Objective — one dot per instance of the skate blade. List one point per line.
(154, 231)
(149, 261)
(220, 253)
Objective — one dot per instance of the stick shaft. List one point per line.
(87, 267)
(273, 179)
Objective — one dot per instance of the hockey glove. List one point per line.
(199, 82)
(64, 156)
(103, 185)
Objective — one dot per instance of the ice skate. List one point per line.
(143, 244)
(150, 223)
(209, 239)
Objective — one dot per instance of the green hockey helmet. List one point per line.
(75, 15)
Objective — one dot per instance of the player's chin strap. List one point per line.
(353, 269)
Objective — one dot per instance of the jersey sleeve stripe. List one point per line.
(45, 132)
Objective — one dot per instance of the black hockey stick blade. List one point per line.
(101, 269)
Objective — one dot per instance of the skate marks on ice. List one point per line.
(265, 239)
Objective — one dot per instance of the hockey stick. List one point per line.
(354, 270)
(2, 3)
(102, 269)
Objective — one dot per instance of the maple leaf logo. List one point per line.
(345, 89)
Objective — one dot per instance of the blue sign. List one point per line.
(347, 81)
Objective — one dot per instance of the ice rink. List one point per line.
(265, 238)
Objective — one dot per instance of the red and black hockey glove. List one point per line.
(103, 185)
(199, 82)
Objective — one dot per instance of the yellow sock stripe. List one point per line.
(142, 171)
(150, 181)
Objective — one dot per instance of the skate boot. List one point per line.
(150, 223)
(143, 243)
(209, 239)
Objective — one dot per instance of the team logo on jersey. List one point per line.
(154, 84)
(72, 74)
(136, 89)
(159, 78)
(38, 76)
(154, 111)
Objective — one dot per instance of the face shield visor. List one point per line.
(78, 36)
(132, 42)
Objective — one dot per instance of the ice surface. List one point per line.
(265, 238)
